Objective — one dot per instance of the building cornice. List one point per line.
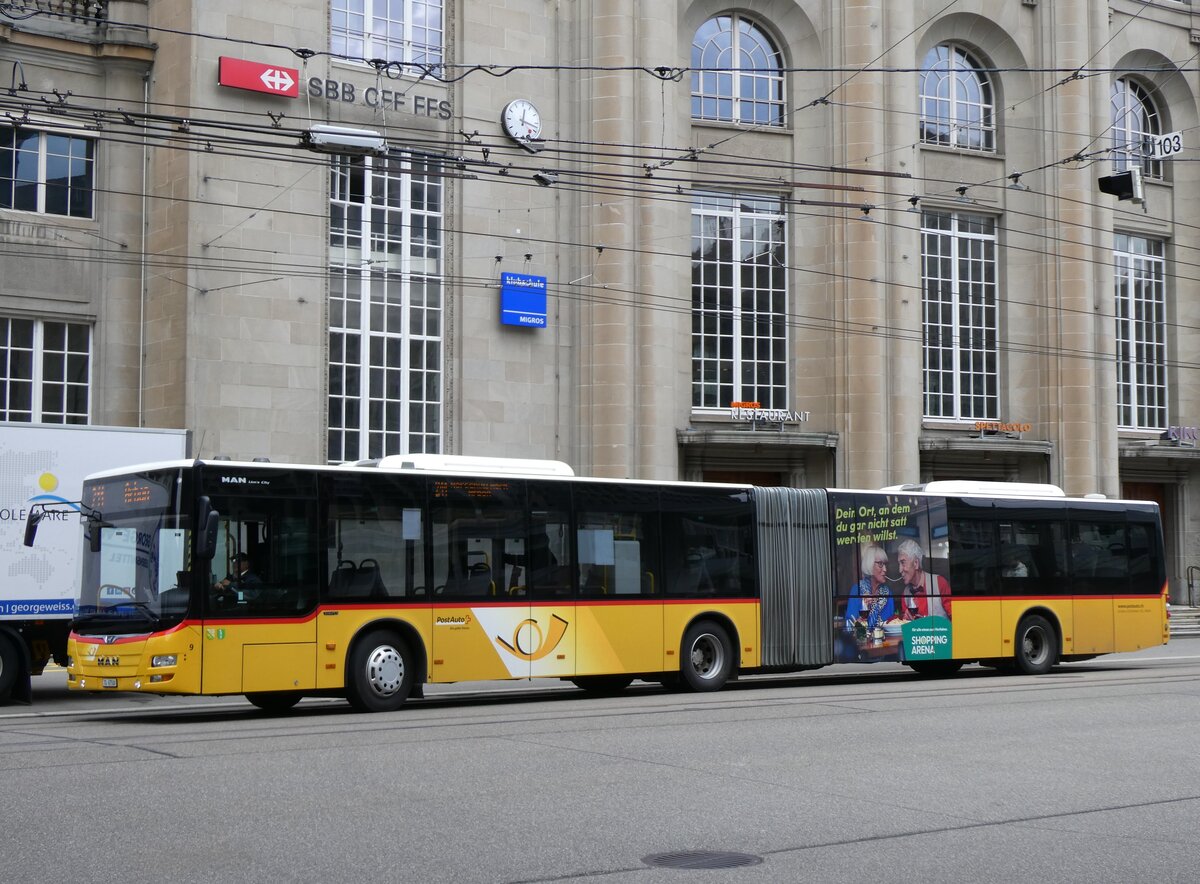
(102, 50)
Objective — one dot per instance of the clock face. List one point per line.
(521, 120)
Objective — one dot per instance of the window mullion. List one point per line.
(955, 313)
(35, 370)
(406, 367)
(735, 305)
(41, 177)
(366, 270)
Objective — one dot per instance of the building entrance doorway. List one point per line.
(744, 477)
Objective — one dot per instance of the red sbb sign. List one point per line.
(257, 77)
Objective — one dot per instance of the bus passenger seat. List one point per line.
(370, 580)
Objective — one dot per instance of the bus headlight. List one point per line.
(163, 660)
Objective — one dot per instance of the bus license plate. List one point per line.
(108, 683)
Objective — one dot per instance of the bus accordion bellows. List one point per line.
(367, 581)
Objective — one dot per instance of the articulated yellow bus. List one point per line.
(367, 581)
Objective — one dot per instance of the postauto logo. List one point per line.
(529, 644)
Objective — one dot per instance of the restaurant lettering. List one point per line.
(752, 411)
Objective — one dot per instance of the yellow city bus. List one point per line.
(367, 581)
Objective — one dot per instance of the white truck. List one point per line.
(46, 463)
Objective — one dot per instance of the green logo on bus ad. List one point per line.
(927, 639)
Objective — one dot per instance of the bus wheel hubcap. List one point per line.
(385, 670)
(706, 656)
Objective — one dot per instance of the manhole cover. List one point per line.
(702, 859)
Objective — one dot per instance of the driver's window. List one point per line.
(266, 557)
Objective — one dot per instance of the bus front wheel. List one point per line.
(1037, 645)
(380, 675)
(705, 657)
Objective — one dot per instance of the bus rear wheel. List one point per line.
(380, 673)
(602, 685)
(274, 701)
(1037, 645)
(705, 657)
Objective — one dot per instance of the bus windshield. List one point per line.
(136, 554)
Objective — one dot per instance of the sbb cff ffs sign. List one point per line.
(237, 73)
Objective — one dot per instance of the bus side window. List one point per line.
(708, 543)
(479, 530)
(973, 566)
(617, 537)
(1141, 559)
(1099, 557)
(376, 548)
(547, 565)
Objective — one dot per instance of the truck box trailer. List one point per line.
(46, 463)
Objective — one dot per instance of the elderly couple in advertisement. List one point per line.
(872, 600)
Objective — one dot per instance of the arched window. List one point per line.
(737, 73)
(1134, 120)
(957, 106)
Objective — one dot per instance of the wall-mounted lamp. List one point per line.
(343, 140)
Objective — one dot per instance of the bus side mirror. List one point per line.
(210, 523)
(94, 534)
(31, 523)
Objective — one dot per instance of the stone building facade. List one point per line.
(850, 243)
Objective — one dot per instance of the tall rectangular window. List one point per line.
(385, 307)
(739, 302)
(45, 371)
(958, 274)
(395, 30)
(46, 172)
(1141, 296)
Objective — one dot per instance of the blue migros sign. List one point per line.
(523, 300)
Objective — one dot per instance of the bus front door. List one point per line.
(260, 643)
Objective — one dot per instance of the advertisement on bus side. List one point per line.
(891, 555)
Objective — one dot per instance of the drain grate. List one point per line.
(702, 859)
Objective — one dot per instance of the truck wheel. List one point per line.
(380, 672)
(1037, 645)
(10, 662)
(705, 657)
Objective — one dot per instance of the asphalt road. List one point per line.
(846, 774)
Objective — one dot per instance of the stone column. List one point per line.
(1072, 280)
(902, 296)
(861, 287)
(607, 427)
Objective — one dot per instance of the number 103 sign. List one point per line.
(1161, 146)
